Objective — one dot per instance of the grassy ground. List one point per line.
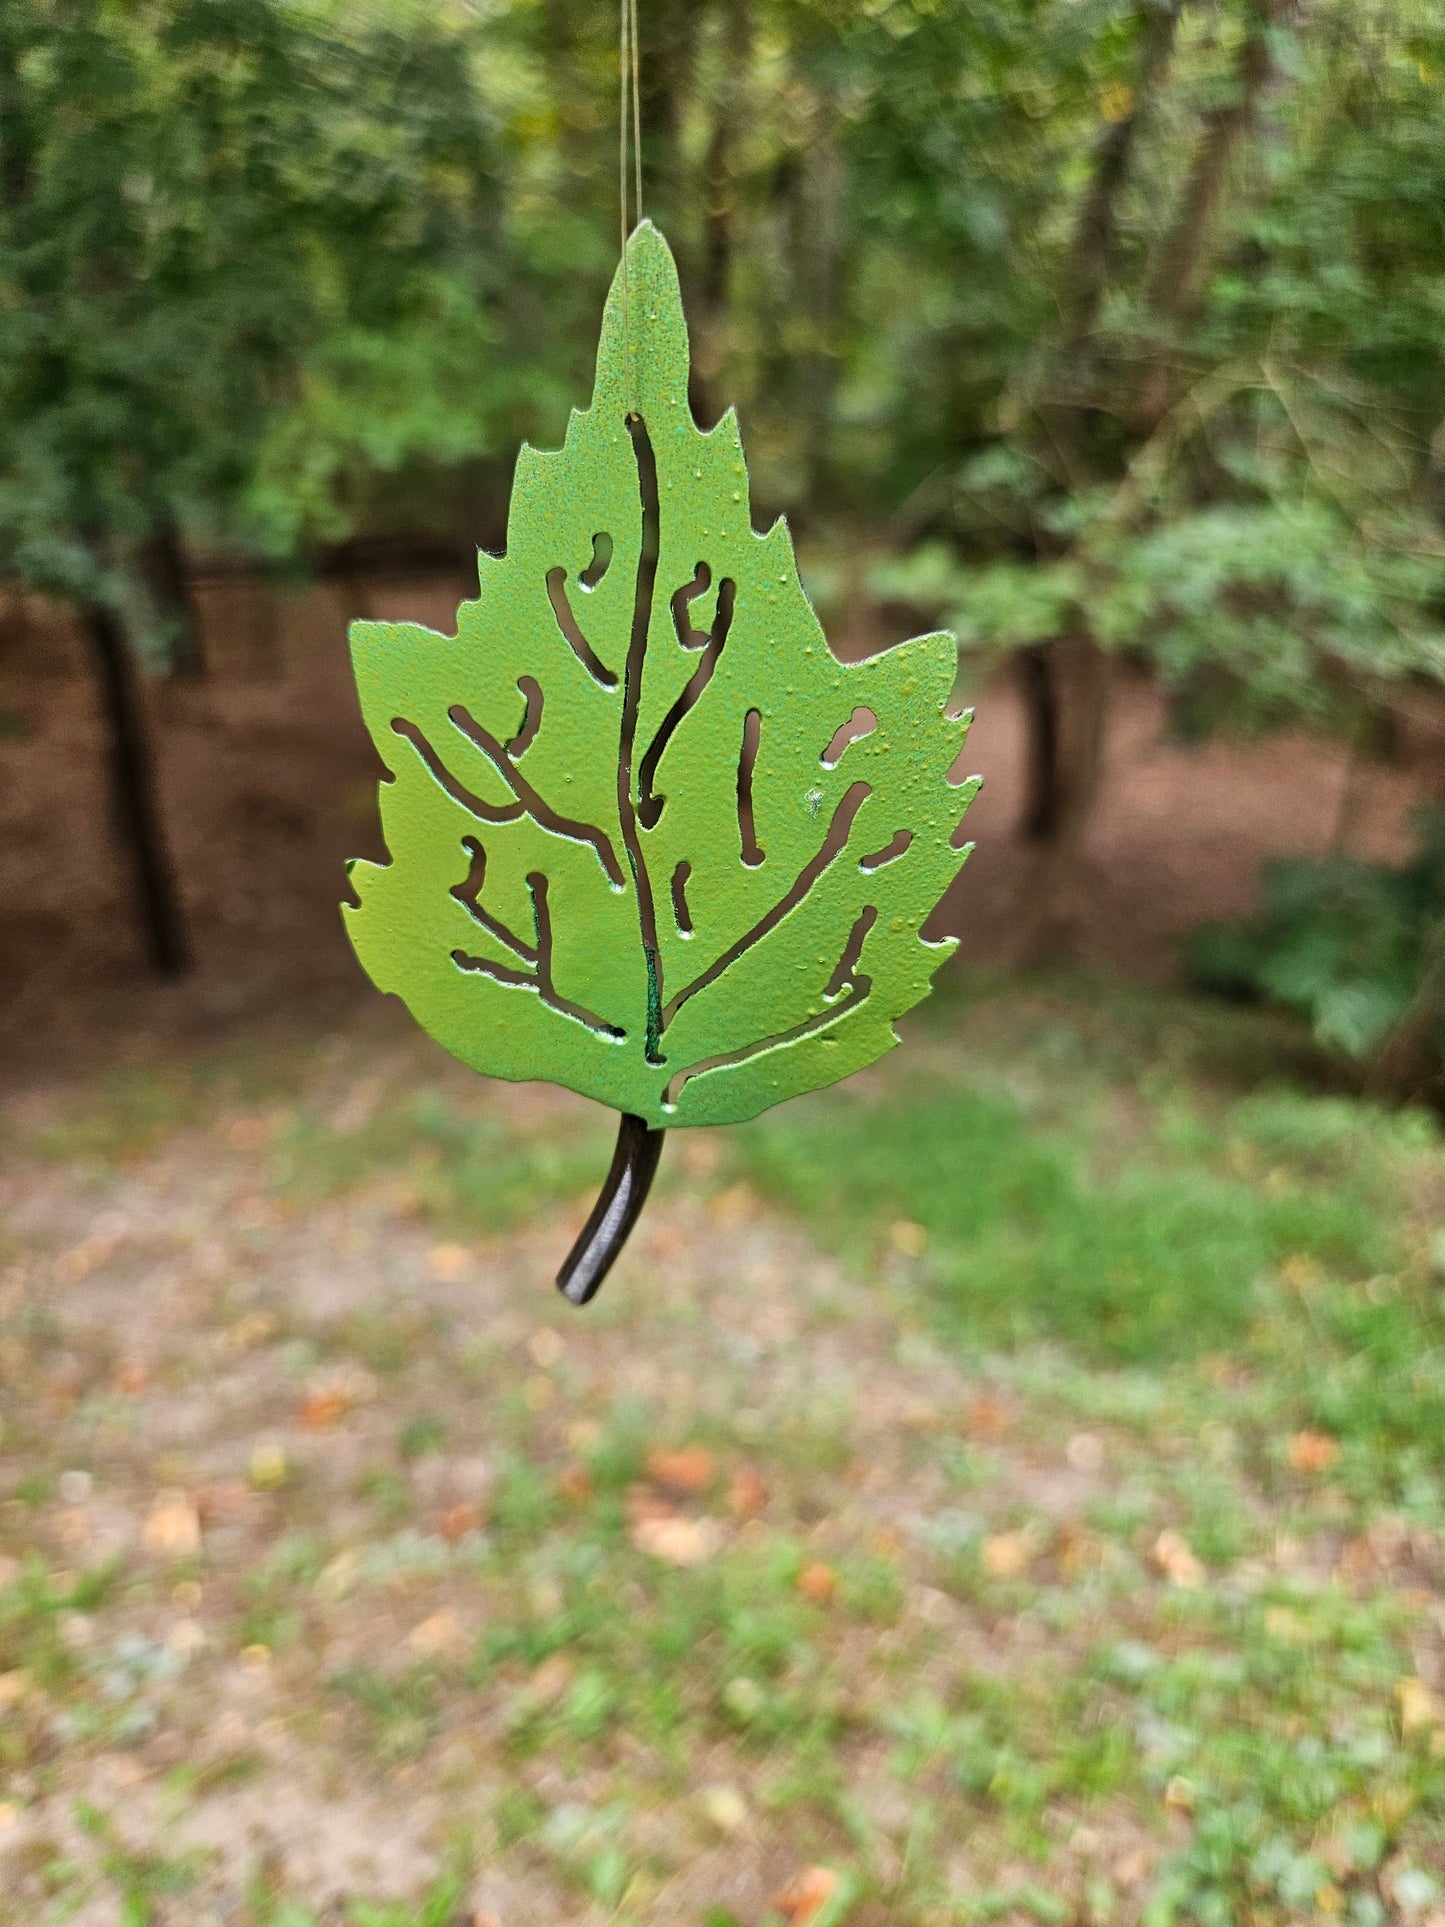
(1008, 1487)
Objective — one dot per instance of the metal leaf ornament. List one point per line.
(649, 837)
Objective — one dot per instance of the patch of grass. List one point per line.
(1048, 1231)
(401, 1707)
(142, 1879)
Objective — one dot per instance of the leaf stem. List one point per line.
(634, 1164)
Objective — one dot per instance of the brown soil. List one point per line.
(268, 784)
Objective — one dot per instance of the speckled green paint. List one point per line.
(512, 919)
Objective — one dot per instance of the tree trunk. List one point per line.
(134, 801)
(1039, 821)
(1096, 232)
(166, 578)
(1175, 277)
(1060, 782)
(1067, 685)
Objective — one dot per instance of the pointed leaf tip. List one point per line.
(643, 321)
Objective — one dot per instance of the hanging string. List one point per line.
(629, 121)
(636, 116)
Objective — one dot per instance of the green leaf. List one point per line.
(634, 849)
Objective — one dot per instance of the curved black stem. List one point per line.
(634, 1164)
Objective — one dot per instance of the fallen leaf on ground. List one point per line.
(678, 1541)
(684, 1473)
(747, 1494)
(909, 1238)
(324, 1406)
(1313, 1452)
(1006, 1555)
(269, 1467)
(724, 1807)
(130, 1377)
(806, 1895)
(1177, 1560)
(818, 1583)
(441, 1633)
(447, 1263)
(174, 1525)
(457, 1521)
(1419, 1708)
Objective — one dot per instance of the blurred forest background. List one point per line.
(1108, 334)
(1007, 1486)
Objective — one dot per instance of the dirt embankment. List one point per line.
(268, 781)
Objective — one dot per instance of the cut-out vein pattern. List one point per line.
(529, 802)
(682, 600)
(860, 724)
(846, 990)
(571, 629)
(648, 550)
(539, 977)
(600, 563)
(531, 691)
(831, 845)
(681, 913)
(752, 853)
(469, 893)
(898, 843)
(649, 804)
(459, 793)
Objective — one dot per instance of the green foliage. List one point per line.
(722, 912)
(200, 196)
(1342, 941)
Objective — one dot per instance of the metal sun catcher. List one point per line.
(649, 838)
